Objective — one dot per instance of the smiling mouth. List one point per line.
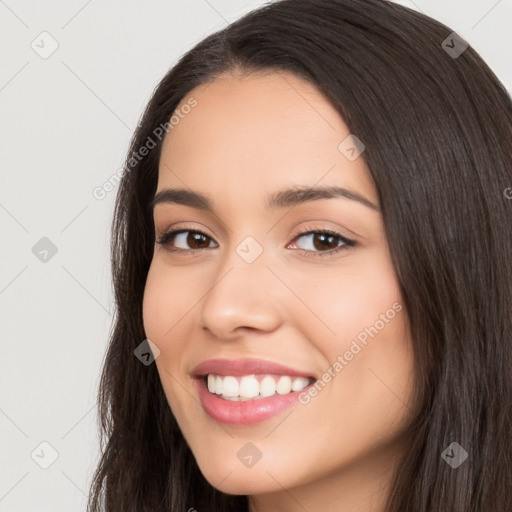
(254, 386)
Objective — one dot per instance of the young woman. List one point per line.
(313, 275)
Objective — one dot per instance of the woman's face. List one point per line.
(264, 284)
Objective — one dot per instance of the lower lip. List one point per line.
(247, 412)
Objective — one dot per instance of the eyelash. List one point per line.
(169, 235)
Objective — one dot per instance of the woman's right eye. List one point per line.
(184, 237)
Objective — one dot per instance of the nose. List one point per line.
(242, 295)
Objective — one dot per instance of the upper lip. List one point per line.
(238, 367)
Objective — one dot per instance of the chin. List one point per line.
(230, 479)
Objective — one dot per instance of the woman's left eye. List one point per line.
(317, 241)
(324, 239)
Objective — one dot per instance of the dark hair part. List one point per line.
(437, 132)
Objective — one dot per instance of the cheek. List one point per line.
(153, 305)
(361, 324)
(164, 310)
(166, 300)
(343, 302)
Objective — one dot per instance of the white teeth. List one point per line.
(218, 385)
(230, 387)
(284, 385)
(231, 398)
(211, 383)
(249, 387)
(267, 386)
(299, 383)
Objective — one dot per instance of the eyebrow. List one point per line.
(282, 199)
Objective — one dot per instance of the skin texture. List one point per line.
(249, 136)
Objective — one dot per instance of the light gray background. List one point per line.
(65, 126)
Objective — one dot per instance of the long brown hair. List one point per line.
(437, 130)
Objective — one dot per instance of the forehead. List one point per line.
(258, 131)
